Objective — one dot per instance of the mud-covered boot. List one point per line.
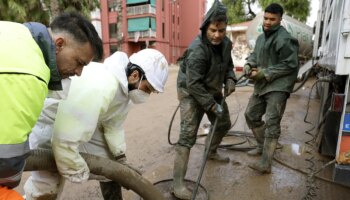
(180, 167)
(259, 136)
(264, 164)
(213, 155)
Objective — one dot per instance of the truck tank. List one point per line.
(297, 29)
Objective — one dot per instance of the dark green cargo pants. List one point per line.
(272, 105)
(191, 116)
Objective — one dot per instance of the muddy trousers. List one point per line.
(191, 114)
(272, 105)
(111, 190)
(11, 170)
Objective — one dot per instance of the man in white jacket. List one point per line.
(90, 118)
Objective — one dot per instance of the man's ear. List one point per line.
(134, 77)
(59, 43)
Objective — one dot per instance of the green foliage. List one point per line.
(22, 11)
(298, 9)
(41, 10)
(84, 7)
(239, 10)
(235, 12)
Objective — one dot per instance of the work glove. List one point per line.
(247, 69)
(230, 86)
(217, 110)
(257, 74)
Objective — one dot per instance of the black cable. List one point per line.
(171, 124)
(198, 135)
(307, 76)
(314, 174)
(310, 181)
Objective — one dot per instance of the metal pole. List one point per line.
(206, 153)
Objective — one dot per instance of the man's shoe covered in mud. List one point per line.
(256, 152)
(182, 193)
(217, 157)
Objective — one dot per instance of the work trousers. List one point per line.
(191, 113)
(272, 105)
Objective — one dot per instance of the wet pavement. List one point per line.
(146, 131)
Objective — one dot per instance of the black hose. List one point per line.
(310, 182)
(171, 124)
(308, 73)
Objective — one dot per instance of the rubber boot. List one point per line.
(180, 167)
(264, 164)
(259, 133)
(213, 154)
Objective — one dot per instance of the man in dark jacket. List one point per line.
(205, 67)
(34, 58)
(273, 65)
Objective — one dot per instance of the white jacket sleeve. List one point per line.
(76, 120)
(114, 131)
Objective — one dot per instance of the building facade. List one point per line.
(166, 25)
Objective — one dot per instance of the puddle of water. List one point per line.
(294, 149)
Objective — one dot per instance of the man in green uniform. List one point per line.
(273, 65)
(205, 67)
(34, 58)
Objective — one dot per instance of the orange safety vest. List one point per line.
(8, 194)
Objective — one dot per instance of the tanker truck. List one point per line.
(244, 35)
(331, 55)
(300, 31)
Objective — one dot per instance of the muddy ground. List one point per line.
(148, 148)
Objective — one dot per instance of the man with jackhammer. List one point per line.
(273, 65)
(91, 119)
(33, 59)
(205, 67)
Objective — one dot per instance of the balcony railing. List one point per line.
(139, 10)
(142, 34)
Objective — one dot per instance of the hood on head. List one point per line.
(216, 9)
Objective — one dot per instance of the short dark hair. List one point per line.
(274, 8)
(80, 28)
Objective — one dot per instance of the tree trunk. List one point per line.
(119, 24)
(54, 9)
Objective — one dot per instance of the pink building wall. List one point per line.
(192, 21)
(181, 20)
